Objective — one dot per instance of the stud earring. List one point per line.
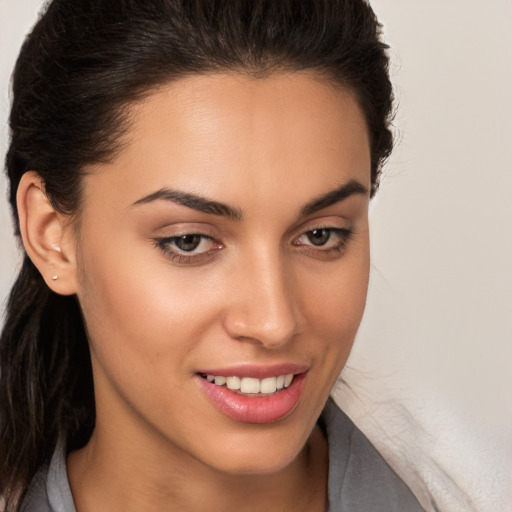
(55, 247)
(55, 277)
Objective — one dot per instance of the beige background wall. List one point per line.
(431, 376)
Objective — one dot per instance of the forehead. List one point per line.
(221, 134)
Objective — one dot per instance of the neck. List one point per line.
(105, 476)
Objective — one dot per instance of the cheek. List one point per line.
(133, 308)
(336, 308)
(142, 325)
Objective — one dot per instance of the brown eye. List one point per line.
(189, 248)
(319, 236)
(188, 243)
(324, 243)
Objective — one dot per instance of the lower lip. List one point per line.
(255, 409)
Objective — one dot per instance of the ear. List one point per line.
(47, 235)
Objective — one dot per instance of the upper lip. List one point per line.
(257, 371)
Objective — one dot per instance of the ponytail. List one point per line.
(45, 382)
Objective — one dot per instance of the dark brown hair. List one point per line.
(83, 63)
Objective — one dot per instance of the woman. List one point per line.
(190, 181)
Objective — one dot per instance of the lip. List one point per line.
(257, 409)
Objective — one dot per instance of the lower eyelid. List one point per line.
(190, 259)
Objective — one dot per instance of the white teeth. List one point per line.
(220, 381)
(268, 385)
(233, 383)
(252, 386)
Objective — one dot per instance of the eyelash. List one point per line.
(344, 235)
(183, 258)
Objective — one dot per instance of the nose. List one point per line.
(263, 306)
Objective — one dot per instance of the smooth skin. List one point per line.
(268, 283)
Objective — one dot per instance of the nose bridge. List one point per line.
(264, 307)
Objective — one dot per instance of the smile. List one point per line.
(251, 385)
(254, 394)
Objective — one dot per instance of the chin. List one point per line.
(263, 465)
(261, 454)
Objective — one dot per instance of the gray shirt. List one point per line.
(360, 480)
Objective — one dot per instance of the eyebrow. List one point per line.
(208, 206)
(350, 188)
(193, 201)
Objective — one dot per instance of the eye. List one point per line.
(188, 248)
(188, 243)
(324, 242)
(319, 236)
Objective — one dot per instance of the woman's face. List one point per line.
(229, 239)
